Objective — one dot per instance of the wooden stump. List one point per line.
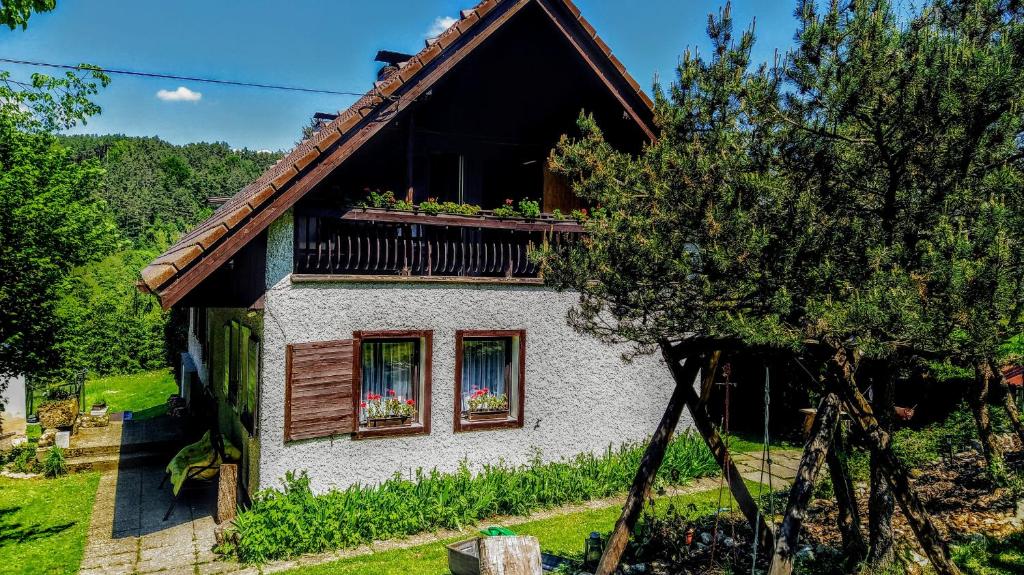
(227, 492)
(509, 556)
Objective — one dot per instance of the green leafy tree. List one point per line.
(14, 13)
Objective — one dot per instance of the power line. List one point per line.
(177, 77)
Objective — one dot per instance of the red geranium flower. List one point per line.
(410, 402)
(508, 202)
(391, 392)
(363, 404)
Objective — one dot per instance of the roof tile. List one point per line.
(604, 47)
(348, 122)
(236, 216)
(429, 53)
(210, 237)
(586, 26)
(154, 275)
(411, 68)
(484, 7)
(329, 138)
(260, 197)
(572, 8)
(181, 257)
(306, 159)
(284, 177)
(467, 22)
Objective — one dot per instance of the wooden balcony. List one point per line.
(374, 242)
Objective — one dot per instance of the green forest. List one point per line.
(152, 191)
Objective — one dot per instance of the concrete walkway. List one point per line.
(127, 534)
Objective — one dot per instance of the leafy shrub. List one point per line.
(430, 207)
(381, 200)
(294, 521)
(529, 208)
(55, 464)
(460, 209)
(23, 459)
(507, 210)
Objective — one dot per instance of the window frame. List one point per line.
(422, 427)
(461, 424)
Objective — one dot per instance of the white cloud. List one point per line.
(182, 94)
(441, 23)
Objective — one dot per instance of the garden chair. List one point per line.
(199, 476)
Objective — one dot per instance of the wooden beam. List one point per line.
(803, 485)
(467, 280)
(640, 490)
(896, 473)
(855, 547)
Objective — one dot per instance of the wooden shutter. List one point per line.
(319, 389)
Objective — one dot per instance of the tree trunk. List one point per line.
(979, 407)
(803, 486)
(640, 491)
(855, 548)
(702, 422)
(1010, 405)
(881, 504)
(878, 441)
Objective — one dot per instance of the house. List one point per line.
(310, 309)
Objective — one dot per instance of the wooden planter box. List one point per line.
(488, 415)
(387, 422)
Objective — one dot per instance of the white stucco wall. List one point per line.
(580, 395)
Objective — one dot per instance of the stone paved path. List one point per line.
(784, 464)
(127, 534)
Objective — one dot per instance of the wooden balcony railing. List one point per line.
(362, 242)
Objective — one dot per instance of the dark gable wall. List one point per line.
(503, 108)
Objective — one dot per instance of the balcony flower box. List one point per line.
(487, 406)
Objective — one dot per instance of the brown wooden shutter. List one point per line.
(319, 389)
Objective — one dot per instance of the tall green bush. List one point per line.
(294, 521)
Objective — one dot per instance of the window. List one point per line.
(199, 327)
(489, 379)
(241, 372)
(393, 375)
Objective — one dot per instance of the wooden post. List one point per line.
(1009, 404)
(227, 492)
(878, 441)
(815, 451)
(640, 491)
(855, 548)
(702, 422)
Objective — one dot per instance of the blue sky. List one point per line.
(316, 44)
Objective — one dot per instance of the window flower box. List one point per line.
(488, 414)
(395, 421)
(391, 411)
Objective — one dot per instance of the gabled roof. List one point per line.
(201, 251)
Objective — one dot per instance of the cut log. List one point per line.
(509, 556)
(803, 485)
(640, 490)
(855, 548)
(917, 516)
(737, 486)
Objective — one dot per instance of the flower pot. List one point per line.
(396, 421)
(488, 414)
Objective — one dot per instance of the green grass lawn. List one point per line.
(144, 394)
(986, 556)
(562, 535)
(44, 522)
